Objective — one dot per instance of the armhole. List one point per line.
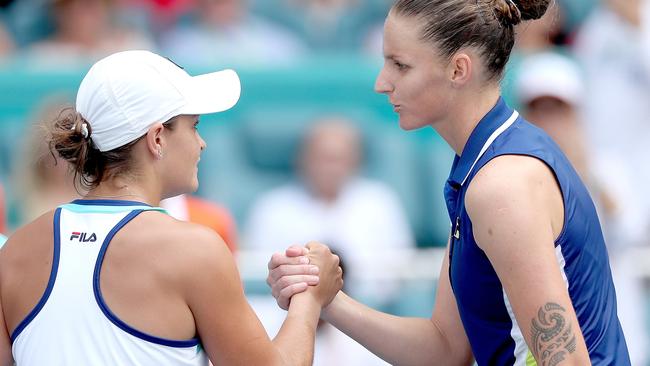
(107, 311)
(50, 284)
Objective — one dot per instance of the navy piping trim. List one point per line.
(109, 314)
(50, 283)
(108, 203)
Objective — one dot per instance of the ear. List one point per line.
(155, 140)
(461, 68)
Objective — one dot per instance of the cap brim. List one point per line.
(212, 93)
(549, 88)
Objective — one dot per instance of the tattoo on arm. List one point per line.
(552, 336)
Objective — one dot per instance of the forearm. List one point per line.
(295, 340)
(397, 340)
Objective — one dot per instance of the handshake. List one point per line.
(312, 268)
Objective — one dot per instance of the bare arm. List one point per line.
(413, 341)
(229, 329)
(6, 357)
(516, 209)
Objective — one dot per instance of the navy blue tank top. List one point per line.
(485, 311)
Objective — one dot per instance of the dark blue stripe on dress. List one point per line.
(50, 284)
(109, 314)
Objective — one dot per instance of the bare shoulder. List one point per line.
(167, 233)
(512, 195)
(507, 180)
(29, 238)
(184, 247)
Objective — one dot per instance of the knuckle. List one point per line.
(283, 282)
(275, 274)
(275, 260)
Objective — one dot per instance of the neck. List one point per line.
(462, 120)
(124, 190)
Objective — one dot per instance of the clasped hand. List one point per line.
(309, 268)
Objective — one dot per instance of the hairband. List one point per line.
(84, 129)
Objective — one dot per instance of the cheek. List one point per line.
(424, 101)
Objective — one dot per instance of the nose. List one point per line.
(382, 85)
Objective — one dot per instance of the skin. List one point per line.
(177, 281)
(330, 157)
(512, 200)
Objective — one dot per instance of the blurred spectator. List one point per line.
(550, 89)
(331, 204)
(331, 25)
(226, 31)
(356, 217)
(159, 14)
(6, 43)
(206, 213)
(84, 31)
(43, 180)
(614, 48)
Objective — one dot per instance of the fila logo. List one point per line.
(83, 237)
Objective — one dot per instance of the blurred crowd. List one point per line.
(582, 73)
(192, 32)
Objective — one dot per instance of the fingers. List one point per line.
(279, 259)
(296, 285)
(291, 270)
(288, 281)
(284, 296)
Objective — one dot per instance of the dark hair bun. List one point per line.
(532, 9)
(67, 136)
(513, 12)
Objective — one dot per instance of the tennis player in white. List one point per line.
(111, 279)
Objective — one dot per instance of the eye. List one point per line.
(400, 66)
(196, 124)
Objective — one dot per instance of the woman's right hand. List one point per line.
(330, 273)
(296, 270)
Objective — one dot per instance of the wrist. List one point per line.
(328, 312)
(306, 298)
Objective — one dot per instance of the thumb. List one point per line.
(296, 251)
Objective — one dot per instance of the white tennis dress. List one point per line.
(71, 324)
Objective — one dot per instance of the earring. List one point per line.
(160, 154)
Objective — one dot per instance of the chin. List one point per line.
(409, 125)
(194, 186)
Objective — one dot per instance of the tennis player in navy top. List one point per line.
(526, 280)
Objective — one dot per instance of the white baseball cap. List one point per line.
(549, 74)
(124, 94)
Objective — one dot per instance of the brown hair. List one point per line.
(487, 25)
(90, 166)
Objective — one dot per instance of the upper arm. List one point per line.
(6, 357)
(446, 318)
(229, 329)
(513, 204)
